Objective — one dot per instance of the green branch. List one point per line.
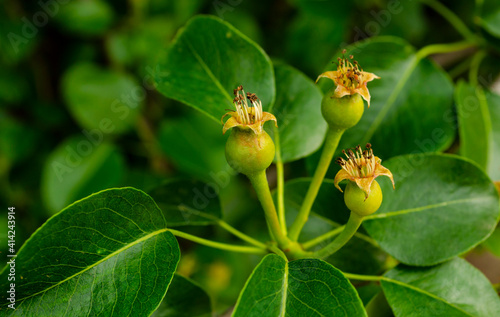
(350, 229)
(240, 234)
(444, 48)
(331, 142)
(474, 67)
(218, 245)
(281, 182)
(363, 277)
(259, 182)
(313, 242)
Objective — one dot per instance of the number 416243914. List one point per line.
(11, 224)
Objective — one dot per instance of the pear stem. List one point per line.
(331, 142)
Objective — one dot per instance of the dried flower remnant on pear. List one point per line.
(361, 167)
(248, 114)
(350, 78)
(249, 149)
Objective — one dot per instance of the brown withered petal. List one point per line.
(247, 116)
(350, 79)
(362, 168)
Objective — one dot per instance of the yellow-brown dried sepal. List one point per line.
(255, 127)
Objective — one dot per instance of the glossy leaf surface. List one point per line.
(454, 288)
(207, 60)
(443, 206)
(301, 126)
(478, 113)
(307, 287)
(410, 105)
(109, 254)
(474, 122)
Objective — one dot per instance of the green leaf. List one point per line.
(299, 288)
(184, 298)
(195, 145)
(109, 254)
(85, 17)
(493, 101)
(474, 123)
(187, 202)
(101, 99)
(454, 288)
(360, 255)
(301, 126)
(442, 206)
(478, 113)
(489, 17)
(79, 167)
(411, 104)
(207, 60)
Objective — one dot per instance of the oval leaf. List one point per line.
(493, 101)
(84, 17)
(207, 60)
(195, 145)
(77, 168)
(454, 288)
(443, 206)
(188, 202)
(184, 299)
(474, 122)
(411, 104)
(478, 113)
(109, 254)
(299, 288)
(301, 127)
(102, 100)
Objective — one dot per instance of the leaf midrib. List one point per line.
(392, 98)
(417, 209)
(135, 242)
(284, 288)
(208, 71)
(424, 292)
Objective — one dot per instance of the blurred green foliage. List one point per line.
(78, 98)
